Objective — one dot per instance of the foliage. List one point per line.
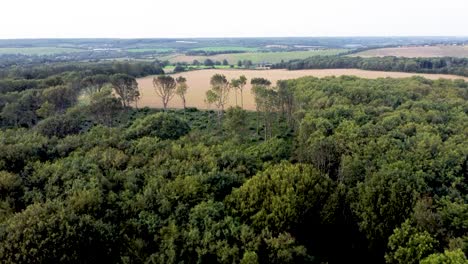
(161, 125)
(350, 170)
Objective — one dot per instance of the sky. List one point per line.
(231, 18)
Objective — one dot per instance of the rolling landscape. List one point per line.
(188, 132)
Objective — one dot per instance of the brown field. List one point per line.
(418, 51)
(199, 83)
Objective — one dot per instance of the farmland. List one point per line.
(37, 50)
(460, 51)
(155, 50)
(225, 48)
(256, 57)
(198, 82)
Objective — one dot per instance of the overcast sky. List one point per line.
(231, 18)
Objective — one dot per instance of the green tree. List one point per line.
(126, 87)
(448, 257)
(165, 87)
(94, 83)
(408, 245)
(219, 93)
(181, 89)
(235, 123)
(161, 125)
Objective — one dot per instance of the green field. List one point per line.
(275, 57)
(226, 48)
(256, 57)
(155, 50)
(37, 50)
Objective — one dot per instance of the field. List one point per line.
(225, 48)
(37, 50)
(156, 50)
(256, 57)
(418, 51)
(198, 82)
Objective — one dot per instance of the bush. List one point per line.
(161, 125)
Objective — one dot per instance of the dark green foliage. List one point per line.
(42, 233)
(60, 125)
(448, 65)
(348, 170)
(161, 125)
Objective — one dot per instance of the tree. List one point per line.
(448, 257)
(242, 82)
(50, 233)
(266, 100)
(409, 245)
(235, 122)
(104, 107)
(219, 93)
(61, 97)
(93, 84)
(181, 89)
(165, 87)
(161, 125)
(126, 87)
(209, 63)
(239, 63)
(235, 83)
(225, 62)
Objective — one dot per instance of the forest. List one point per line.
(330, 170)
(445, 65)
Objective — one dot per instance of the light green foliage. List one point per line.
(448, 257)
(408, 245)
(277, 198)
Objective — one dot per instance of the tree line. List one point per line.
(445, 65)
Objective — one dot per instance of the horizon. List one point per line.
(240, 37)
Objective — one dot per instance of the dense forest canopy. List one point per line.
(328, 170)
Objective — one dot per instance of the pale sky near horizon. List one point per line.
(229, 18)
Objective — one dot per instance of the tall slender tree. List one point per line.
(165, 87)
(219, 93)
(181, 89)
(242, 82)
(235, 84)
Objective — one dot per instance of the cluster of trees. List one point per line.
(446, 65)
(211, 52)
(328, 170)
(29, 96)
(167, 87)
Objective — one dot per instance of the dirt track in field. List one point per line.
(199, 83)
(418, 51)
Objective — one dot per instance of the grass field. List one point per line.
(37, 50)
(155, 50)
(418, 51)
(256, 57)
(199, 83)
(226, 48)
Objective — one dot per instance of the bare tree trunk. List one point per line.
(235, 92)
(242, 100)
